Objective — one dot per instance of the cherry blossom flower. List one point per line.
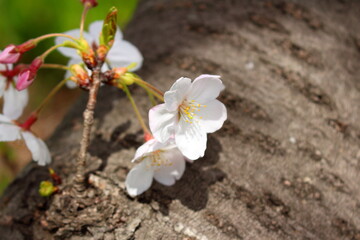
(190, 111)
(14, 101)
(11, 131)
(162, 161)
(122, 53)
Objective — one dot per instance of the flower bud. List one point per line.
(47, 188)
(9, 55)
(26, 46)
(108, 31)
(27, 76)
(128, 78)
(90, 3)
(80, 75)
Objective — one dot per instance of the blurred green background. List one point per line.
(23, 20)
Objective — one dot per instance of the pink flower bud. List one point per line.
(25, 79)
(27, 76)
(26, 46)
(91, 3)
(9, 55)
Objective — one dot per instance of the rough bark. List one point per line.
(286, 163)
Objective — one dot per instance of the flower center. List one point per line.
(157, 159)
(188, 110)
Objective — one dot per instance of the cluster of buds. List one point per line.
(80, 76)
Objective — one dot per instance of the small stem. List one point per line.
(149, 90)
(47, 52)
(38, 39)
(79, 183)
(55, 66)
(137, 112)
(142, 82)
(82, 21)
(151, 97)
(49, 96)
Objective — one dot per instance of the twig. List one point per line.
(79, 184)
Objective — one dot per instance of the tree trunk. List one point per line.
(286, 163)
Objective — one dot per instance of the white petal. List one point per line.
(2, 85)
(8, 131)
(71, 84)
(212, 116)
(3, 66)
(191, 139)
(175, 96)
(70, 52)
(168, 174)
(123, 53)
(39, 151)
(95, 29)
(162, 122)
(143, 149)
(205, 88)
(139, 179)
(14, 102)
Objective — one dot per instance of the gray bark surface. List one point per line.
(286, 163)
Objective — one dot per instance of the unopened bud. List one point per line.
(128, 78)
(9, 55)
(27, 76)
(47, 188)
(26, 46)
(90, 3)
(89, 59)
(80, 75)
(109, 29)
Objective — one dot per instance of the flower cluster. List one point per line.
(180, 127)
(14, 102)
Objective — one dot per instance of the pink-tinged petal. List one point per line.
(143, 149)
(139, 179)
(212, 116)
(162, 122)
(14, 102)
(71, 52)
(25, 79)
(191, 139)
(205, 88)
(2, 85)
(123, 53)
(150, 146)
(39, 151)
(95, 30)
(7, 57)
(8, 131)
(167, 174)
(175, 96)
